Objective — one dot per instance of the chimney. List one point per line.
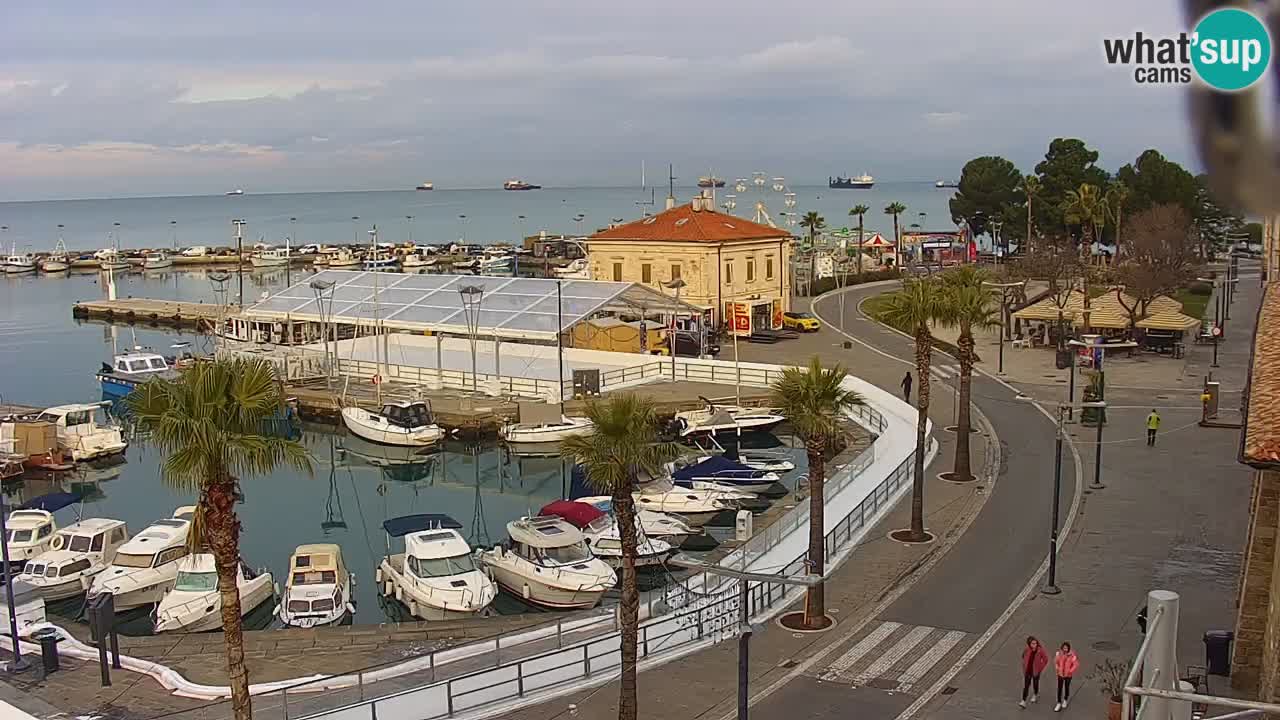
(542, 234)
(671, 202)
(697, 204)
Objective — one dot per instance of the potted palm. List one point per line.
(1111, 677)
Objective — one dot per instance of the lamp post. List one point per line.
(995, 239)
(218, 279)
(463, 218)
(471, 296)
(323, 290)
(1051, 584)
(239, 223)
(409, 222)
(355, 230)
(675, 284)
(1097, 450)
(18, 664)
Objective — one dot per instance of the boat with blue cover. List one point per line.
(129, 370)
(724, 472)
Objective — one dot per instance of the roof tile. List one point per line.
(1262, 417)
(684, 224)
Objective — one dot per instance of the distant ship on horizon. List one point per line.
(946, 184)
(861, 182)
(519, 185)
(237, 191)
(710, 182)
(426, 186)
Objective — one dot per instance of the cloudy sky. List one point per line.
(156, 97)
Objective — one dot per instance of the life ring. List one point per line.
(57, 542)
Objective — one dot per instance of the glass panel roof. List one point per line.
(509, 307)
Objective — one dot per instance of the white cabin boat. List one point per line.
(546, 562)
(696, 506)
(80, 434)
(30, 534)
(146, 567)
(416, 259)
(272, 257)
(654, 524)
(603, 534)
(17, 263)
(403, 423)
(129, 370)
(195, 604)
(77, 553)
(111, 259)
(436, 576)
(380, 259)
(576, 269)
(714, 419)
(343, 258)
(57, 261)
(318, 591)
(157, 260)
(549, 432)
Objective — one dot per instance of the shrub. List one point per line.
(1200, 288)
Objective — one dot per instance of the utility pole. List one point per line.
(239, 261)
(1051, 586)
(1097, 451)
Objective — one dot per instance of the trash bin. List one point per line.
(1217, 652)
(48, 639)
(1062, 359)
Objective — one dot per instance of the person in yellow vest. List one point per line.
(1153, 424)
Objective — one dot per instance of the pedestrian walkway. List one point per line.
(895, 657)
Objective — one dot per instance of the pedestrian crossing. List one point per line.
(944, 372)
(896, 657)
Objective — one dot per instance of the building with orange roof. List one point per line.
(730, 266)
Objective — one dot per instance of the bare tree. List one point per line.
(1053, 259)
(1160, 257)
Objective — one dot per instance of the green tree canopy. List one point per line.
(990, 188)
(1154, 180)
(1067, 165)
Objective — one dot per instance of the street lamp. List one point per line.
(463, 218)
(471, 296)
(239, 223)
(18, 664)
(218, 279)
(1006, 290)
(675, 284)
(995, 239)
(409, 222)
(323, 290)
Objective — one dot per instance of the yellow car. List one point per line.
(802, 321)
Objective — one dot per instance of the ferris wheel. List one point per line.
(761, 187)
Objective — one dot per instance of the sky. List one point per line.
(144, 97)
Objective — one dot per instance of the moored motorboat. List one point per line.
(713, 419)
(436, 576)
(548, 432)
(156, 260)
(145, 567)
(270, 257)
(724, 472)
(80, 434)
(603, 534)
(696, 506)
(404, 423)
(110, 259)
(77, 553)
(343, 258)
(57, 261)
(194, 603)
(318, 591)
(545, 561)
(17, 263)
(30, 534)
(129, 370)
(654, 524)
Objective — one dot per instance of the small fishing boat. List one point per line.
(111, 260)
(601, 531)
(416, 260)
(436, 576)
(722, 472)
(271, 257)
(545, 561)
(426, 186)
(80, 434)
(17, 263)
(30, 534)
(146, 567)
(472, 264)
(194, 604)
(318, 591)
(496, 262)
(129, 370)
(343, 258)
(404, 423)
(237, 191)
(546, 432)
(77, 553)
(380, 259)
(57, 261)
(157, 260)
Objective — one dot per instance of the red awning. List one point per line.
(578, 514)
(876, 241)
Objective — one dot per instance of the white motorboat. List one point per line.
(654, 524)
(318, 591)
(80, 434)
(717, 470)
(771, 460)
(343, 258)
(546, 562)
(17, 263)
(272, 257)
(129, 370)
(436, 576)
(603, 535)
(237, 191)
(112, 260)
(194, 604)
(714, 419)
(405, 423)
(472, 264)
(156, 261)
(30, 534)
(416, 260)
(576, 269)
(57, 261)
(379, 259)
(195, 251)
(696, 506)
(320, 260)
(146, 567)
(549, 432)
(426, 186)
(77, 553)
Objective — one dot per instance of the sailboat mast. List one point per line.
(377, 313)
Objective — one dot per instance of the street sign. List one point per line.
(1216, 331)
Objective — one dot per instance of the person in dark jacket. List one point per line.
(1034, 661)
(906, 386)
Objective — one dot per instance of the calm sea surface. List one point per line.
(479, 216)
(48, 358)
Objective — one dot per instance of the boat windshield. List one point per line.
(197, 581)
(321, 577)
(441, 567)
(132, 560)
(20, 535)
(566, 555)
(79, 543)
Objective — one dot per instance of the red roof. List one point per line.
(684, 224)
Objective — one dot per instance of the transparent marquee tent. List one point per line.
(509, 308)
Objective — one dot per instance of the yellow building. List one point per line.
(730, 266)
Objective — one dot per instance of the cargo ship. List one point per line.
(946, 184)
(710, 182)
(519, 185)
(862, 182)
(426, 186)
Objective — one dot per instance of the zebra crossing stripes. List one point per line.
(913, 674)
(855, 653)
(891, 656)
(895, 657)
(944, 372)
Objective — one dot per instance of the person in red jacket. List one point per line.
(1034, 661)
(1065, 664)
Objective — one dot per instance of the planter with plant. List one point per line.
(1111, 676)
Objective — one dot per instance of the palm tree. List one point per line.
(815, 401)
(911, 309)
(1084, 206)
(209, 424)
(895, 209)
(968, 306)
(1031, 188)
(860, 211)
(624, 444)
(1113, 204)
(815, 223)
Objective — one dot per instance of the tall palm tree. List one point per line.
(210, 424)
(1030, 188)
(911, 309)
(860, 211)
(815, 224)
(1084, 206)
(1113, 204)
(815, 401)
(969, 306)
(895, 209)
(624, 444)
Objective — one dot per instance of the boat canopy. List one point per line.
(316, 563)
(401, 526)
(717, 466)
(544, 532)
(579, 514)
(52, 502)
(407, 415)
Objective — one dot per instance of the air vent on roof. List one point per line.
(729, 225)
(650, 221)
(681, 221)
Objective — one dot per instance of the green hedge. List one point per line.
(828, 284)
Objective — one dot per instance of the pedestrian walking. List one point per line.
(1034, 661)
(1065, 664)
(1153, 424)
(906, 386)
